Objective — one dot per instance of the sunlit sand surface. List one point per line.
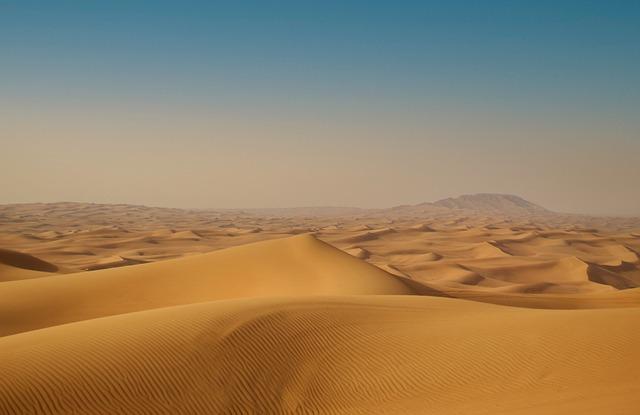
(434, 308)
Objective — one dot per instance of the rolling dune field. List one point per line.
(109, 309)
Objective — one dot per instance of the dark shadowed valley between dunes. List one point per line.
(483, 304)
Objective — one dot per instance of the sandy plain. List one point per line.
(436, 309)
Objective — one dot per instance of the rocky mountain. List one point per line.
(492, 203)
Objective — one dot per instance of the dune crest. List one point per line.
(245, 312)
(299, 265)
(356, 354)
(19, 266)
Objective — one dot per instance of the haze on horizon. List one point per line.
(343, 103)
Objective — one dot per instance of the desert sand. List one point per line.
(485, 305)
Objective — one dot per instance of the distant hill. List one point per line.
(484, 203)
(492, 203)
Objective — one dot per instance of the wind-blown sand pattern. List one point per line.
(125, 309)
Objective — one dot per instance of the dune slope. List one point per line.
(300, 265)
(213, 321)
(19, 266)
(342, 355)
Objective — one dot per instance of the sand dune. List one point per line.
(18, 266)
(602, 299)
(356, 354)
(300, 265)
(228, 312)
(359, 253)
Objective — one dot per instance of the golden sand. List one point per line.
(125, 309)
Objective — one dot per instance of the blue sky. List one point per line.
(582, 53)
(562, 64)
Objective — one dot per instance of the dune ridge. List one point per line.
(355, 354)
(299, 265)
(16, 265)
(124, 309)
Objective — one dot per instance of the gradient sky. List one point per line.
(300, 103)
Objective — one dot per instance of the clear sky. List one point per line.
(299, 103)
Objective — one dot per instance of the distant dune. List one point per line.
(17, 266)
